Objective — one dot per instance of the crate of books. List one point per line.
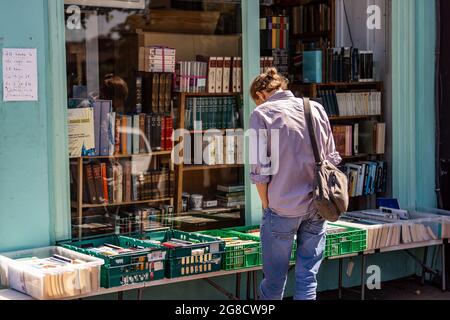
(127, 260)
(189, 253)
(342, 240)
(50, 273)
(256, 232)
(241, 250)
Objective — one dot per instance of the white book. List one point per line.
(226, 75)
(81, 132)
(212, 74)
(230, 146)
(239, 75)
(219, 75)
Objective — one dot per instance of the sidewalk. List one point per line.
(404, 289)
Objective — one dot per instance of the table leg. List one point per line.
(238, 286)
(140, 293)
(248, 285)
(363, 277)
(424, 262)
(255, 286)
(444, 279)
(340, 278)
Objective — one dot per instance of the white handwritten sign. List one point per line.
(20, 75)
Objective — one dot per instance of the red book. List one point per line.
(163, 133)
(105, 183)
(169, 127)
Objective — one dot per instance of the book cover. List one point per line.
(161, 92)
(142, 134)
(81, 132)
(123, 135)
(90, 184)
(111, 134)
(97, 171)
(219, 75)
(226, 74)
(105, 183)
(136, 134)
(129, 129)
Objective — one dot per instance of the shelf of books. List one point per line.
(298, 38)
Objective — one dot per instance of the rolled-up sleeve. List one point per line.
(332, 155)
(260, 172)
(329, 146)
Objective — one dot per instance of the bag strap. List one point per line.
(312, 134)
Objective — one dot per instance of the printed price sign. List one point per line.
(20, 75)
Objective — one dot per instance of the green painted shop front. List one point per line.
(34, 179)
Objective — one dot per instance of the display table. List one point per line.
(251, 274)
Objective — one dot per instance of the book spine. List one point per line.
(105, 183)
(97, 171)
(219, 75)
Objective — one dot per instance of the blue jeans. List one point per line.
(277, 237)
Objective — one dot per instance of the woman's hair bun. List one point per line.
(272, 72)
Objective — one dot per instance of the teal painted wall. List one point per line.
(413, 116)
(24, 187)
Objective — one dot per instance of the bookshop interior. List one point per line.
(140, 72)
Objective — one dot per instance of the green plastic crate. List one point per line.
(147, 264)
(246, 230)
(204, 256)
(352, 241)
(238, 256)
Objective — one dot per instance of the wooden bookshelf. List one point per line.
(215, 167)
(125, 156)
(90, 206)
(350, 118)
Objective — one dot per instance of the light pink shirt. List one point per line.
(290, 188)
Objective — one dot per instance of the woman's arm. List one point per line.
(262, 190)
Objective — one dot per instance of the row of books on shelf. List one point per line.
(274, 32)
(210, 75)
(154, 92)
(157, 59)
(311, 19)
(345, 104)
(348, 64)
(211, 112)
(115, 183)
(97, 131)
(366, 177)
(142, 133)
(367, 137)
(279, 59)
(206, 74)
(222, 150)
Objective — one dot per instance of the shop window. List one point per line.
(138, 72)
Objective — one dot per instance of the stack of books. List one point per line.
(154, 92)
(143, 133)
(343, 139)
(346, 104)
(157, 59)
(366, 177)
(348, 65)
(266, 63)
(311, 18)
(274, 32)
(115, 183)
(210, 113)
(231, 196)
(384, 231)
(192, 76)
